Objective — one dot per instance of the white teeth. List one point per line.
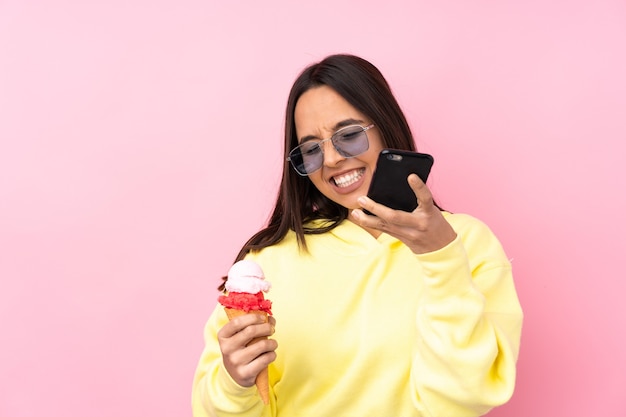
(349, 178)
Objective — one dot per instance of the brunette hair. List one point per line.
(363, 86)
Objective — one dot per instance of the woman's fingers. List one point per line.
(423, 230)
(423, 194)
(246, 350)
(381, 213)
(241, 329)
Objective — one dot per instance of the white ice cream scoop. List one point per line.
(246, 276)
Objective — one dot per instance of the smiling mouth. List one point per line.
(348, 178)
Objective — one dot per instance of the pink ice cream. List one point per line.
(245, 285)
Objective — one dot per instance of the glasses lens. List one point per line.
(306, 158)
(351, 141)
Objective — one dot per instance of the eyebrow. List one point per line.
(338, 125)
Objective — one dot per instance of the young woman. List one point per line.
(390, 314)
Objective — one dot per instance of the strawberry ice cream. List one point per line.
(246, 285)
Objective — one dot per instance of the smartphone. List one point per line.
(389, 184)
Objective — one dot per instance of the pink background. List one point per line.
(140, 146)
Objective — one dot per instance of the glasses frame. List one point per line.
(332, 140)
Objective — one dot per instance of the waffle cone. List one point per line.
(262, 379)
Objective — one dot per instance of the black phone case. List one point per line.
(389, 184)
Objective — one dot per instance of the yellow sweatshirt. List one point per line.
(367, 328)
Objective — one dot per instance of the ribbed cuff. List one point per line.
(447, 270)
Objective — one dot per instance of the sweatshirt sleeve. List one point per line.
(469, 326)
(215, 393)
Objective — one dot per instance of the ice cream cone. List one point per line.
(262, 379)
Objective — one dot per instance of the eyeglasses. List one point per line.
(349, 141)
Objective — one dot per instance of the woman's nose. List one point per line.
(331, 156)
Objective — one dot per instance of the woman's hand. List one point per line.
(246, 350)
(424, 230)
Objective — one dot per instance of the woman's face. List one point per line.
(319, 113)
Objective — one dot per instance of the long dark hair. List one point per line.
(363, 86)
